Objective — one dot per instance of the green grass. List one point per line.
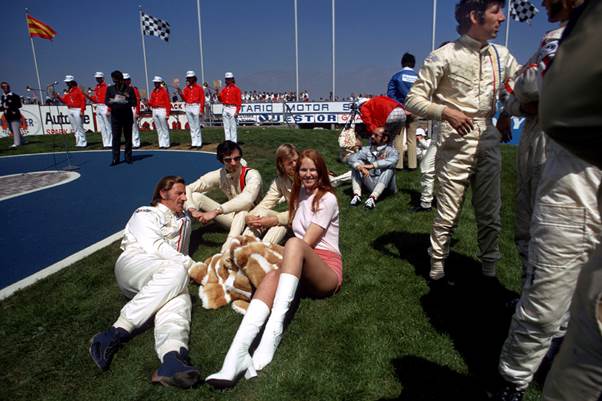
(385, 336)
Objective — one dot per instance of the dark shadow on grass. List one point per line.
(425, 380)
(197, 238)
(473, 312)
(414, 196)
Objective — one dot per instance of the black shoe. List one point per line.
(419, 208)
(129, 161)
(441, 284)
(105, 344)
(176, 370)
(508, 392)
(114, 163)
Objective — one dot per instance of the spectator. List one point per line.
(10, 103)
(398, 88)
(373, 166)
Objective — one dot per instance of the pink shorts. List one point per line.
(334, 262)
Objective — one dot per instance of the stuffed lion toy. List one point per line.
(233, 276)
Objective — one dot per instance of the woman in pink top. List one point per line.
(312, 257)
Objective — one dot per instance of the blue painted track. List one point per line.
(44, 227)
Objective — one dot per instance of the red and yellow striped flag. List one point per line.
(39, 29)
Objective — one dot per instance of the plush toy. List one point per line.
(233, 276)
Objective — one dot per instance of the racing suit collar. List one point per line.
(472, 43)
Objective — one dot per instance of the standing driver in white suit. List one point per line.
(153, 272)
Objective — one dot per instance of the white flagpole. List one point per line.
(333, 56)
(144, 52)
(198, 11)
(35, 61)
(296, 54)
(507, 26)
(434, 23)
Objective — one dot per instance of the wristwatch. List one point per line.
(219, 210)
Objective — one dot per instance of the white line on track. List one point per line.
(60, 265)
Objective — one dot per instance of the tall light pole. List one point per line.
(296, 53)
(333, 56)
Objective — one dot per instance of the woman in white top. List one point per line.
(312, 257)
(262, 221)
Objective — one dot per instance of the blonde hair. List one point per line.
(284, 153)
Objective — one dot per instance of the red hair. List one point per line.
(323, 182)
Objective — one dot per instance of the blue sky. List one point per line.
(253, 39)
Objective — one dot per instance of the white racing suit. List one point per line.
(465, 75)
(153, 271)
(570, 110)
(532, 145)
(279, 192)
(565, 230)
(240, 200)
(427, 168)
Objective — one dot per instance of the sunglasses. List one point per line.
(229, 159)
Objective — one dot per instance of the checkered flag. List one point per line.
(152, 26)
(522, 10)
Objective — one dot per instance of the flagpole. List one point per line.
(507, 26)
(296, 54)
(35, 61)
(198, 11)
(333, 56)
(434, 21)
(144, 51)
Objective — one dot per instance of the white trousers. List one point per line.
(565, 230)
(159, 288)
(160, 119)
(104, 124)
(427, 178)
(530, 161)
(193, 111)
(15, 128)
(577, 370)
(273, 235)
(473, 160)
(235, 221)
(135, 130)
(76, 123)
(229, 123)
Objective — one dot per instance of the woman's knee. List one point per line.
(294, 243)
